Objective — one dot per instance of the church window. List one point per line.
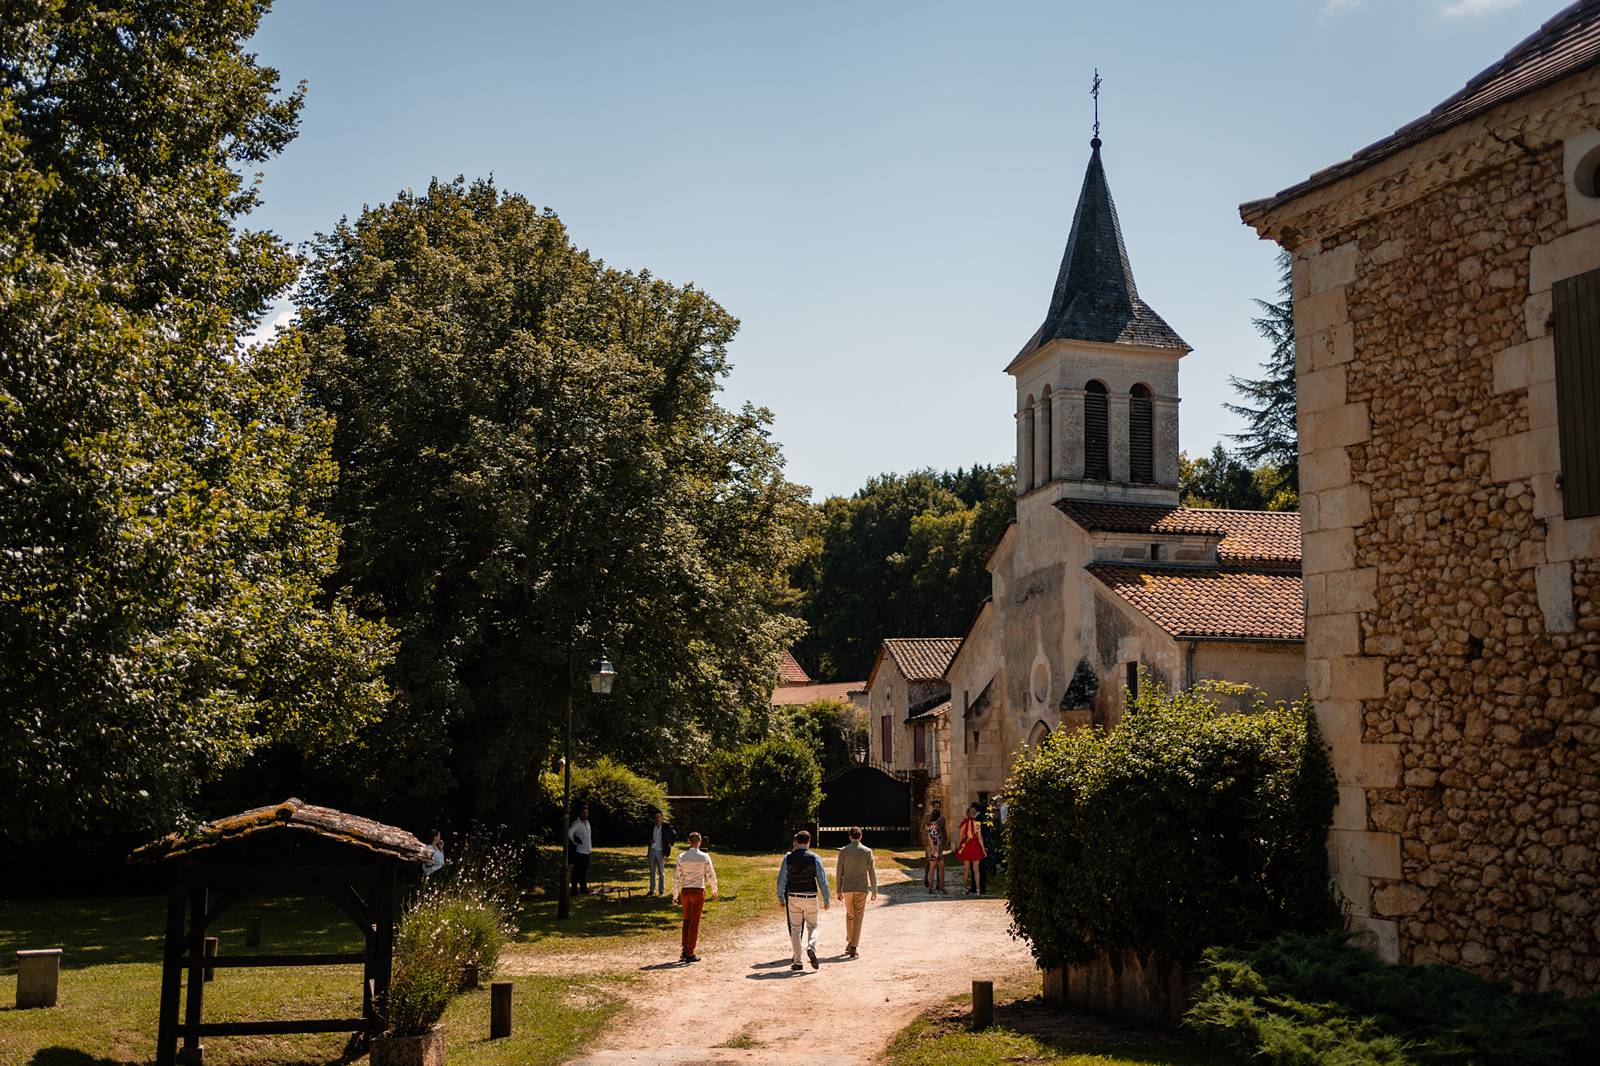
(1096, 433)
(1141, 446)
(1588, 175)
(1046, 459)
(1575, 304)
(1155, 553)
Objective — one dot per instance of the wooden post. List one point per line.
(252, 931)
(171, 976)
(193, 1050)
(499, 1009)
(982, 1004)
(212, 944)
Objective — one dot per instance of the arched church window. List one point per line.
(1046, 458)
(1025, 420)
(1141, 431)
(1096, 433)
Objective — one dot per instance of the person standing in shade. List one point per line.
(580, 837)
(801, 879)
(436, 860)
(661, 837)
(692, 877)
(971, 851)
(934, 835)
(854, 876)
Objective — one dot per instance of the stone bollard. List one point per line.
(982, 1004)
(38, 976)
(212, 944)
(252, 932)
(499, 1009)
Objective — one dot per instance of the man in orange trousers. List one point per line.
(692, 878)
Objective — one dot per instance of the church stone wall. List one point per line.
(1453, 630)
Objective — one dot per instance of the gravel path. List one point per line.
(742, 1003)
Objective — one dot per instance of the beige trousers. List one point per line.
(855, 905)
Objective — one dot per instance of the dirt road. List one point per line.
(742, 1004)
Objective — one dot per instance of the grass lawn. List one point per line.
(1027, 1030)
(111, 975)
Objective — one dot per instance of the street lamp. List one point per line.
(602, 675)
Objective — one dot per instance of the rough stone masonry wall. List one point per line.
(1453, 632)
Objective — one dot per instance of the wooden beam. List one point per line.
(276, 1028)
(196, 964)
(171, 978)
(337, 958)
(223, 901)
(258, 876)
(346, 899)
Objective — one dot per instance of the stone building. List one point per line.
(1103, 572)
(1447, 332)
(908, 703)
(795, 687)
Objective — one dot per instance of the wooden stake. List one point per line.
(252, 932)
(499, 1009)
(212, 944)
(982, 1004)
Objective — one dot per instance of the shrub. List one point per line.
(1184, 827)
(1319, 999)
(622, 804)
(765, 789)
(835, 729)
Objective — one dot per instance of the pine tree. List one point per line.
(1270, 404)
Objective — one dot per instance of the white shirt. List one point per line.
(694, 870)
(436, 863)
(582, 836)
(655, 838)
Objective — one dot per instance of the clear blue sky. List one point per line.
(879, 191)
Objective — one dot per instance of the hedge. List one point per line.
(622, 804)
(764, 791)
(1319, 999)
(1185, 826)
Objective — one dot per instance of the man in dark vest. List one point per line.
(801, 880)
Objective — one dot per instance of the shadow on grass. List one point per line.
(120, 929)
(1072, 1033)
(66, 1056)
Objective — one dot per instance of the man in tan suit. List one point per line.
(854, 877)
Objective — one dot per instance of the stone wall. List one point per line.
(1453, 637)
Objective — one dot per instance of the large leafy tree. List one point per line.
(533, 460)
(1222, 479)
(904, 556)
(1272, 437)
(162, 610)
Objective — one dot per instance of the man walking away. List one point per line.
(580, 837)
(691, 878)
(661, 837)
(800, 879)
(854, 875)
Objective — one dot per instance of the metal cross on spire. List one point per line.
(1094, 91)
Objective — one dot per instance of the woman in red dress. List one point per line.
(971, 850)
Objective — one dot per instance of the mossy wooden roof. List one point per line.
(292, 816)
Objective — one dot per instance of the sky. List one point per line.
(880, 192)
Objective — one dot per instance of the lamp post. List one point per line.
(602, 675)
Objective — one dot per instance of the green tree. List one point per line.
(1221, 479)
(903, 556)
(834, 729)
(162, 612)
(1272, 437)
(765, 790)
(529, 441)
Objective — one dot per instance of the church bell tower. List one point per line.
(1097, 383)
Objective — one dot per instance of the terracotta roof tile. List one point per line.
(1226, 604)
(791, 672)
(1565, 45)
(1247, 537)
(788, 695)
(922, 658)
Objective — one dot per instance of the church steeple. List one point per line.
(1095, 298)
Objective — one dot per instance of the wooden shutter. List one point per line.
(1141, 433)
(1096, 436)
(888, 740)
(919, 744)
(1576, 307)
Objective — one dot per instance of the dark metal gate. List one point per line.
(870, 798)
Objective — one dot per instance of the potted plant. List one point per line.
(427, 969)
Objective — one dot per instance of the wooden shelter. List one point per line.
(292, 848)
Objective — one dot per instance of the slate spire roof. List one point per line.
(1095, 298)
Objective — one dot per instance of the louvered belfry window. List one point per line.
(1141, 433)
(1576, 313)
(1096, 433)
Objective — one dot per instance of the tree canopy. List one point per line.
(162, 557)
(531, 453)
(1221, 479)
(1272, 437)
(904, 556)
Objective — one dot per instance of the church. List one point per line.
(1104, 578)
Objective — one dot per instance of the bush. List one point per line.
(1184, 827)
(835, 729)
(1319, 999)
(765, 790)
(622, 804)
(460, 918)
